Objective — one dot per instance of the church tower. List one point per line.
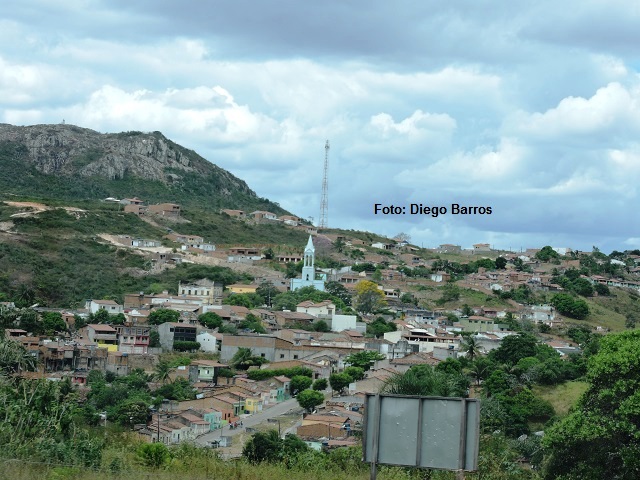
(308, 270)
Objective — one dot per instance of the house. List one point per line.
(324, 309)
(208, 291)
(476, 323)
(131, 201)
(109, 305)
(209, 342)
(481, 247)
(253, 405)
(440, 277)
(178, 238)
(144, 242)
(171, 332)
(136, 209)
(103, 335)
(204, 370)
(118, 363)
(262, 215)
(234, 213)
(289, 258)
(241, 288)
(165, 210)
(133, 339)
(449, 248)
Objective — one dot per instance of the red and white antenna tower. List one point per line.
(324, 200)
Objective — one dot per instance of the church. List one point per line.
(309, 277)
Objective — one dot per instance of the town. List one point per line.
(300, 344)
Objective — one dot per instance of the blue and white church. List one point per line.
(309, 276)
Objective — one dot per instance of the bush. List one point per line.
(186, 346)
(154, 455)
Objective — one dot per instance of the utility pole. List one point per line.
(324, 200)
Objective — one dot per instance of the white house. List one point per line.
(109, 305)
(208, 342)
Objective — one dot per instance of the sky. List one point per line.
(531, 108)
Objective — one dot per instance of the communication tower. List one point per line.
(324, 200)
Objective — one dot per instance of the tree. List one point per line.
(267, 292)
(52, 322)
(309, 399)
(424, 380)
(154, 339)
(339, 381)
(210, 320)
(546, 254)
(356, 373)
(163, 315)
(402, 237)
(369, 298)
(470, 346)
(514, 347)
(570, 307)
(162, 371)
(602, 289)
(408, 298)
(299, 383)
(379, 327)
(269, 447)
(15, 358)
(336, 289)
(363, 359)
(501, 263)
(467, 311)
(321, 326)
(600, 438)
(244, 358)
(248, 300)
(320, 384)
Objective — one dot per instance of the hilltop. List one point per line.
(73, 163)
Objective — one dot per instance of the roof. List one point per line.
(102, 328)
(208, 363)
(105, 302)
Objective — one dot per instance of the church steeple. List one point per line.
(308, 269)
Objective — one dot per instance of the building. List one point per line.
(165, 210)
(209, 292)
(309, 278)
(109, 305)
(133, 339)
(171, 332)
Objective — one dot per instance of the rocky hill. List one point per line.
(66, 161)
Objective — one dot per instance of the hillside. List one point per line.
(72, 163)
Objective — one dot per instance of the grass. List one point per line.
(562, 397)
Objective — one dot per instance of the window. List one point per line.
(262, 355)
(295, 357)
(282, 355)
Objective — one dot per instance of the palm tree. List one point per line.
(424, 380)
(162, 372)
(470, 345)
(242, 358)
(14, 358)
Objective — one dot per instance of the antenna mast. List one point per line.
(324, 201)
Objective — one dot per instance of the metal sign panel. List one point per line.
(429, 432)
